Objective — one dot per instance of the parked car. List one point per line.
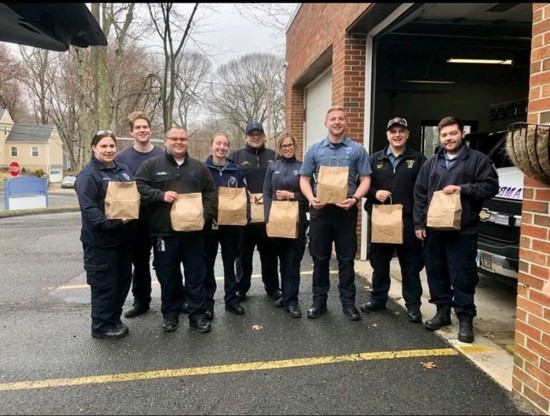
(68, 181)
(499, 228)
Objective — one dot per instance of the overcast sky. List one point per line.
(230, 35)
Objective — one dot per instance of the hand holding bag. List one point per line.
(257, 208)
(283, 221)
(387, 223)
(187, 212)
(122, 201)
(232, 206)
(445, 211)
(332, 184)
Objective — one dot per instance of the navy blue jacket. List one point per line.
(254, 163)
(473, 172)
(284, 175)
(229, 175)
(91, 189)
(399, 180)
(159, 174)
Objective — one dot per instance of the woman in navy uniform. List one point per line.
(282, 182)
(107, 244)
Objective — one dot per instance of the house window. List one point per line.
(13, 151)
(34, 151)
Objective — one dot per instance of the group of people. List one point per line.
(117, 252)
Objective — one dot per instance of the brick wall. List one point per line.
(531, 375)
(317, 28)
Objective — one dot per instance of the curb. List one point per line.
(36, 211)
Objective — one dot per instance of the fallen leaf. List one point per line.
(488, 335)
(374, 325)
(428, 365)
(257, 327)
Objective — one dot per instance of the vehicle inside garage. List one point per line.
(414, 78)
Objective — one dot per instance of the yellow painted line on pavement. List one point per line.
(228, 368)
(85, 286)
(475, 349)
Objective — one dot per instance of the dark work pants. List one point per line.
(141, 275)
(290, 252)
(187, 249)
(228, 238)
(451, 269)
(411, 262)
(329, 225)
(255, 235)
(109, 274)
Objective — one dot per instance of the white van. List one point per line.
(499, 228)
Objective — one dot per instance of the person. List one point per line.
(254, 159)
(133, 157)
(160, 180)
(282, 182)
(106, 243)
(395, 169)
(225, 172)
(450, 256)
(335, 223)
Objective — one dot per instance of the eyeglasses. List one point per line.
(256, 134)
(287, 146)
(178, 139)
(103, 132)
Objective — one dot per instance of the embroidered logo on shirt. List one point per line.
(296, 172)
(410, 164)
(161, 173)
(125, 176)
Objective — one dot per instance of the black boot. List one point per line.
(441, 318)
(466, 328)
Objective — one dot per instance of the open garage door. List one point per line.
(413, 77)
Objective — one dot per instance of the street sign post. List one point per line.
(14, 168)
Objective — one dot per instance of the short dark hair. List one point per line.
(102, 134)
(449, 121)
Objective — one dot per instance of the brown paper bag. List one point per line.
(332, 184)
(445, 211)
(122, 201)
(256, 208)
(283, 219)
(387, 223)
(187, 212)
(231, 206)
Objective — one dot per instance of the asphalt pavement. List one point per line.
(262, 362)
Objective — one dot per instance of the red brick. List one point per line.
(526, 354)
(525, 378)
(529, 330)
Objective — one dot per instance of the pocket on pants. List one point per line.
(96, 265)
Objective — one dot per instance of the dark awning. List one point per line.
(54, 26)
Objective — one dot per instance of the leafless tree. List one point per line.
(250, 89)
(12, 73)
(166, 20)
(193, 70)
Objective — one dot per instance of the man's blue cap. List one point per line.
(254, 126)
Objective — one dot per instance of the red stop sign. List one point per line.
(14, 168)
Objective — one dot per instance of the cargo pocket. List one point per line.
(96, 275)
